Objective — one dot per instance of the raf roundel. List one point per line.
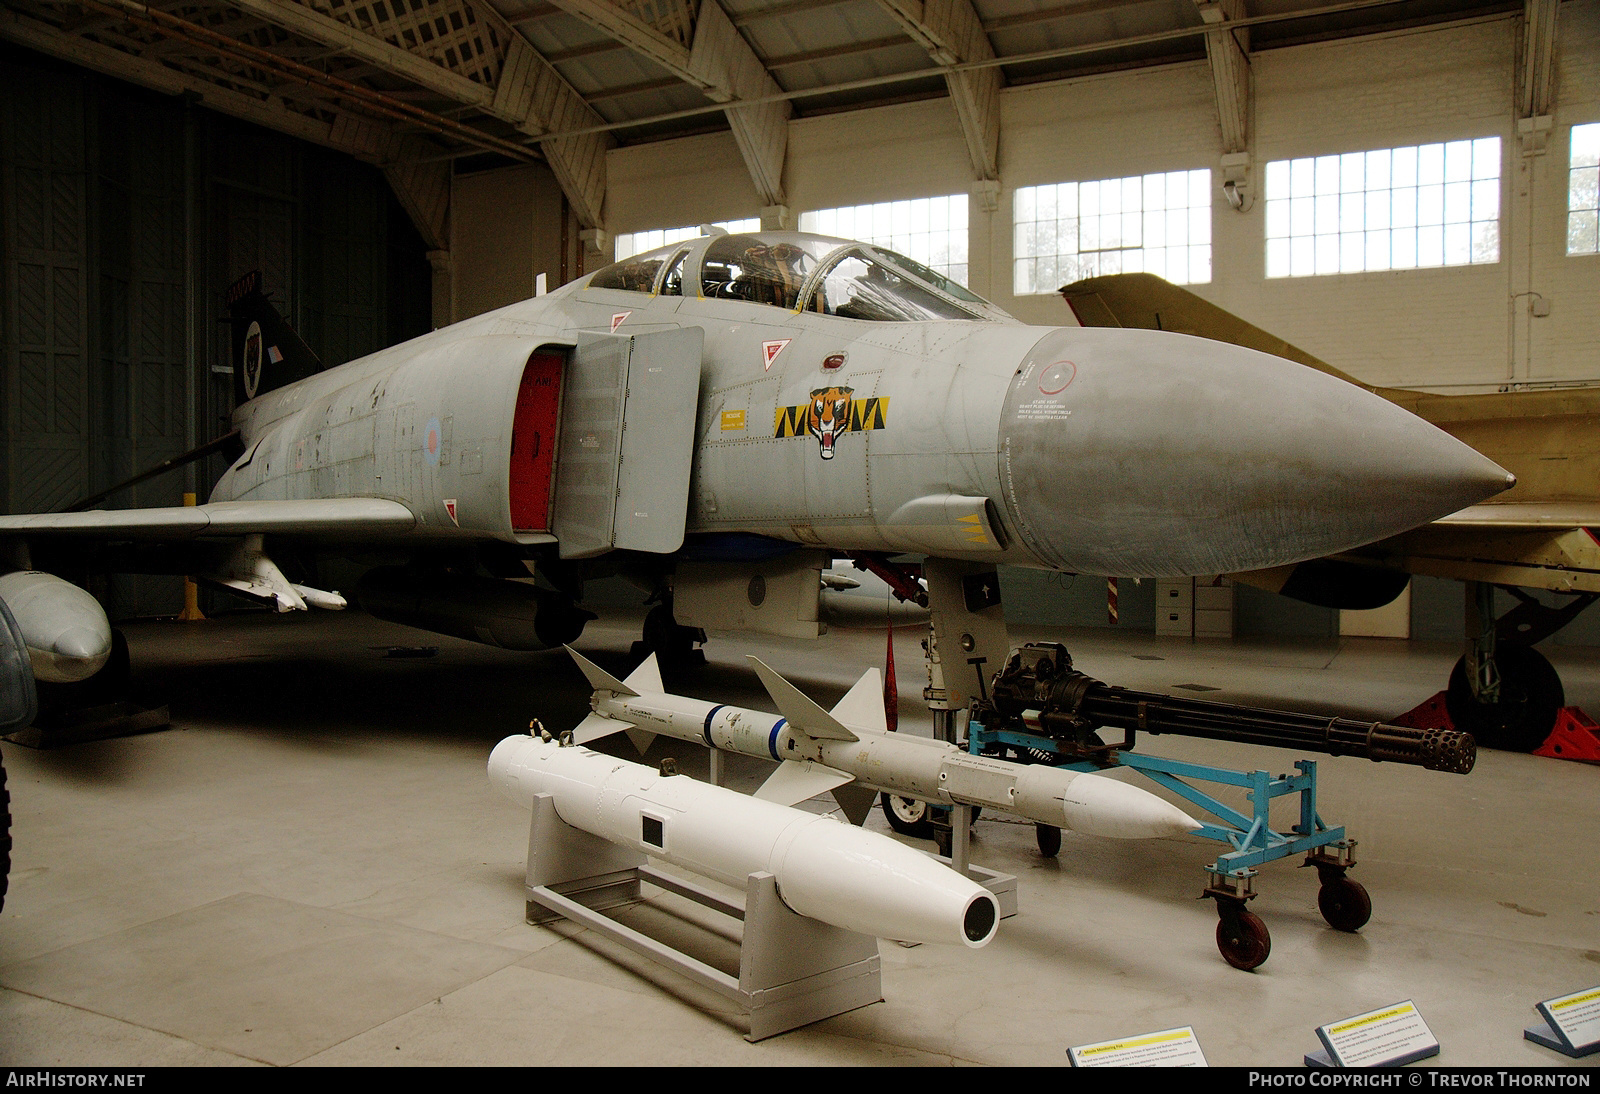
(252, 360)
(432, 441)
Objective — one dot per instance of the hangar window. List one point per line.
(1158, 224)
(931, 230)
(1583, 191)
(1387, 209)
(628, 244)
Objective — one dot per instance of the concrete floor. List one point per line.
(310, 867)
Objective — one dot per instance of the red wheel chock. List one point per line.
(1576, 736)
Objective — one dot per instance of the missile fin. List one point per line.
(599, 678)
(801, 712)
(642, 739)
(855, 801)
(862, 705)
(646, 679)
(797, 780)
(596, 726)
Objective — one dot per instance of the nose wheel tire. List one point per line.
(1243, 939)
(1344, 904)
(1530, 696)
(908, 816)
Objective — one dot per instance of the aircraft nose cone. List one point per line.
(1144, 453)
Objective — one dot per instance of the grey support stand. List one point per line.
(792, 970)
(1003, 886)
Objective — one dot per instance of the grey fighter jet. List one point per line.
(717, 420)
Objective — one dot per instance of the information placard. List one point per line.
(1571, 1023)
(1169, 1048)
(1386, 1037)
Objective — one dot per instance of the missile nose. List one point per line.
(1100, 806)
(83, 644)
(1146, 453)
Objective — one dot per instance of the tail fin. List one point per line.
(599, 678)
(797, 708)
(267, 353)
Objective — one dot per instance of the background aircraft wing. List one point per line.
(340, 517)
(1559, 514)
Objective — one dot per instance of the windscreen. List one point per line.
(860, 286)
(636, 274)
(747, 268)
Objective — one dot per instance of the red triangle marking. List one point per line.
(450, 507)
(616, 320)
(770, 350)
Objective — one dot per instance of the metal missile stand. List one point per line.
(1045, 711)
(1242, 936)
(792, 970)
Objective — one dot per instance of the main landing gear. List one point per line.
(677, 648)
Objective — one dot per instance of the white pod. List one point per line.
(64, 628)
(826, 870)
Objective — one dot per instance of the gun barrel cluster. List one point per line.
(1069, 705)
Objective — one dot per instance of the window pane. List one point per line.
(1583, 190)
(1486, 158)
(1486, 200)
(1277, 180)
(1277, 219)
(1158, 223)
(1430, 246)
(1378, 169)
(1582, 229)
(932, 231)
(1360, 210)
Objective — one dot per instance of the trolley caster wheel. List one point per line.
(1243, 939)
(1048, 836)
(1344, 904)
(908, 816)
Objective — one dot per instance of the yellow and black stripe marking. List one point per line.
(795, 421)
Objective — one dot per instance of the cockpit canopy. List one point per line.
(800, 272)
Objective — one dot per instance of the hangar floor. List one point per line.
(310, 867)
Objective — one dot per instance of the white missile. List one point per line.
(819, 751)
(64, 628)
(824, 869)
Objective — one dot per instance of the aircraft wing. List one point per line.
(1536, 547)
(355, 518)
(1561, 514)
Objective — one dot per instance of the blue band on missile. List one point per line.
(772, 739)
(710, 714)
